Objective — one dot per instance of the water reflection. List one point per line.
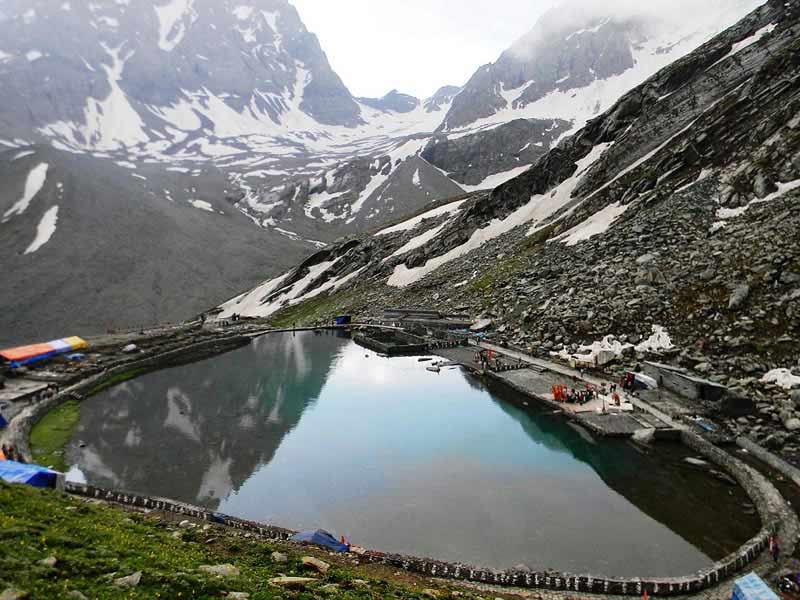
(201, 430)
(309, 431)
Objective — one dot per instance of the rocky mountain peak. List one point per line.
(393, 101)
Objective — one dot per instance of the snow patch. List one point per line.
(782, 377)
(540, 207)
(22, 154)
(593, 351)
(44, 230)
(111, 123)
(657, 342)
(418, 241)
(747, 42)
(729, 213)
(202, 205)
(492, 181)
(596, 224)
(253, 304)
(33, 55)
(33, 185)
(172, 25)
(445, 209)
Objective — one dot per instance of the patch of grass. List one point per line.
(51, 433)
(500, 274)
(310, 311)
(93, 544)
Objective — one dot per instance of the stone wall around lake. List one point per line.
(776, 516)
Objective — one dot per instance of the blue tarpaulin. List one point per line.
(752, 587)
(3, 422)
(320, 537)
(343, 320)
(14, 472)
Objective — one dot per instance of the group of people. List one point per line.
(487, 359)
(9, 452)
(561, 393)
(573, 395)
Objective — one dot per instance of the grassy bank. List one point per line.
(94, 544)
(51, 433)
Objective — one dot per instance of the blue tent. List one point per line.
(14, 472)
(752, 587)
(320, 537)
(3, 422)
(343, 320)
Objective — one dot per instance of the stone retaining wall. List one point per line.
(769, 458)
(775, 514)
(18, 431)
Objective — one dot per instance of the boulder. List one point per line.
(129, 580)
(279, 557)
(292, 582)
(225, 570)
(315, 563)
(481, 325)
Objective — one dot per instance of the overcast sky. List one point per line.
(415, 46)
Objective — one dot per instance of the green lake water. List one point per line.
(308, 431)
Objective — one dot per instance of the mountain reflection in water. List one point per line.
(313, 431)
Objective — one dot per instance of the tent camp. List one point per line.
(15, 472)
(320, 537)
(25, 355)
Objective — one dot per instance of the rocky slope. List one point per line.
(677, 207)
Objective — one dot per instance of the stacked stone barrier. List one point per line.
(776, 516)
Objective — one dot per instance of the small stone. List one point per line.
(237, 595)
(429, 593)
(13, 594)
(50, 561)
(185, 524)
(279, 557)
(330, 588)
(292, 582)
(178, 535)
(225, 570)
(645, 259)
(129, 581)
(315, 563)
(76, 595)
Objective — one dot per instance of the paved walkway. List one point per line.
(571, 373)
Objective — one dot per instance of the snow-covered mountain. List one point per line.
(226, 116)
(242, 85)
